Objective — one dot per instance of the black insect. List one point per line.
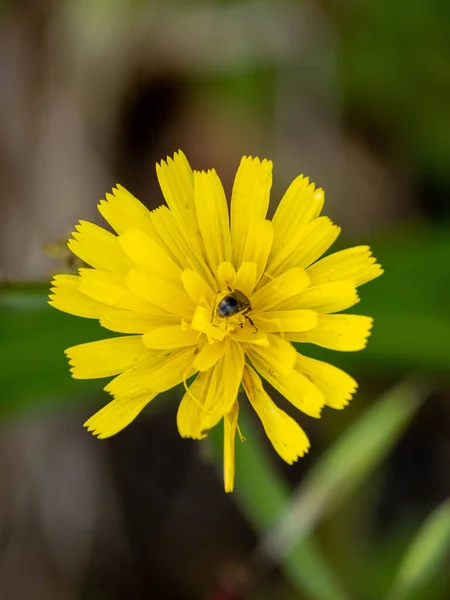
(235, 303)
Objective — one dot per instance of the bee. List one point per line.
(235, 303)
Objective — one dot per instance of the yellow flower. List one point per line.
(199, 291)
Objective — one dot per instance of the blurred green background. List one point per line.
(357, 96)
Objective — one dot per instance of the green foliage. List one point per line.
(32, 343)
(394, 66)
(427, 554)
(287, 520)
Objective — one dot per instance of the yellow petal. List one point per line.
(249, 200)
(123, 211)
(98, 248)
(128, 321)
(116, 415)
(171, 336)
(176, 180)
(287, 437)
(225, 275)
(304, 247)
(225, 384)
(318, 236)
(249, 335)
(326, 297)
(300, 204)
(196, 287)
(212, 216)
(284, 321)
(186, 253)
(209, 355)
(67, 297)
(111, 289)
(356, 265)
(149, 256)
(230, 421)
(160, 293)
(280, 289)
(294, 386)
(163, 370)
(190, 411)
(279, 355)
(258, 245)
(347, 333)
(105, 357)
(245, 279)
(202, 321)
(336, 385)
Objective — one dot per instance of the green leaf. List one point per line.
(32, 343)
(426, 555)
(342, 469)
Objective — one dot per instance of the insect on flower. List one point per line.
(235, 303)
(197, 290)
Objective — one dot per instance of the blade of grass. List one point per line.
(425, 556)
(262, 495)
(343, 468)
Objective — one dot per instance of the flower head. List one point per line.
(202, 291)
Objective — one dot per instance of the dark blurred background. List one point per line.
(93, 92)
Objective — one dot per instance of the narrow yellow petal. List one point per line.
(289, 284)
(249, 335)
(304, 247)
(356, 265)
(111, 289)
(196, 287)
(105, 357)
(176, 180)
(212, 215)
(326, 297)
(230, 421)
(301, 203)
(103, 286)
(284, 321)
(318, 236)
(149, 256)
(225, 384)
(258, 245)
(164, 369)
(171, 336)
(294, 386)
(347, 333)
(116, 415)
(225, 275)
(160, 293)
(190, 410)
(336, 385)
(245, 279)
(123, 211)
(202, 321)
(186, 253)
(209, 355)
(279, 355)
(287, 437)
(249, 200)
(66, 296)
(128, 321)
(98, 248)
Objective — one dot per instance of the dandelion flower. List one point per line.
(199, 291)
